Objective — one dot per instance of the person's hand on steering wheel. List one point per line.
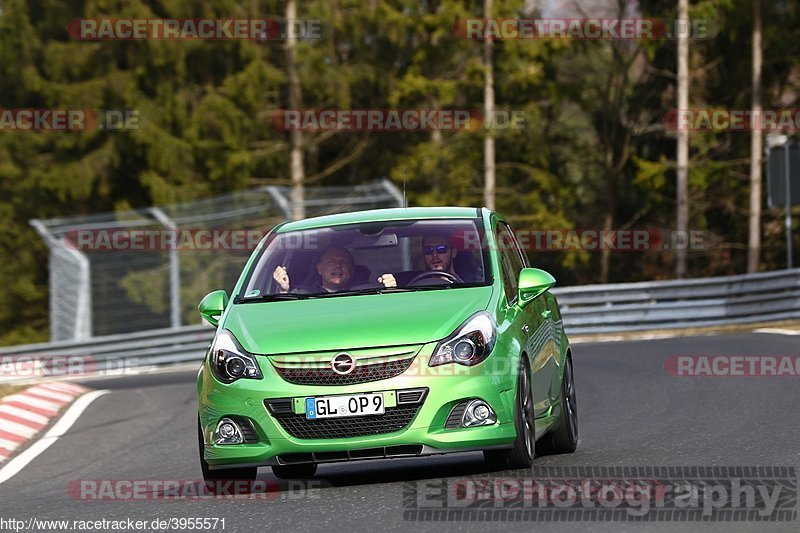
(387, 280)
(447, 276)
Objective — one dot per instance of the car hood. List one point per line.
(348, 322)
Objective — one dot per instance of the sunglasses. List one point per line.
(440, 249)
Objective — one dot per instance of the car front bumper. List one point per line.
(447, 386)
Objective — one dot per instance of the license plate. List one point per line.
(339, 406)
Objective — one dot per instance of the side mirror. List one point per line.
(532, 283)
(212, 306)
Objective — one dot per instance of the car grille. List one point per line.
(361, 374)
(395, 419)
(407, 450)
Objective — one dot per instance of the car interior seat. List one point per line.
(466, 267)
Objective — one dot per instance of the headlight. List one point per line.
(470, 344)
(230, 362)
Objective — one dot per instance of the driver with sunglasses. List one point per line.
(438, 253)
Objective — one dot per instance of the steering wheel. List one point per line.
(451, 278)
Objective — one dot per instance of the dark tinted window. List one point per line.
(510, 260)
(357, 254)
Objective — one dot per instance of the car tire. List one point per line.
(213, 478)
(521, 455)
(301, 471)
(564, 438)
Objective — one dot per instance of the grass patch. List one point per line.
(5, 390)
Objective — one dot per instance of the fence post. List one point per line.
(81, 326)
(281, 200)
(174, 268)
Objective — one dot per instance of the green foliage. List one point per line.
(594, 144)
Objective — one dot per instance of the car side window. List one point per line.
(510, 260)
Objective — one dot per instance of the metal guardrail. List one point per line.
(587, 309)
(112, 354)
(620, 307)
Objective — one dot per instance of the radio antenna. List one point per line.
(405, 202)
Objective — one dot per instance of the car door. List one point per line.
(540, 344)
(524, 322)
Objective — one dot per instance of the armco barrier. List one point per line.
(587, 309)
(620, 307)
(144, 348)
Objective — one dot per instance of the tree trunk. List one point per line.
(754, 239)
(683, 139)
(488, 111)
(608, 226)
(296, 169)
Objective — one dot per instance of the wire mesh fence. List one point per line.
(146, 269)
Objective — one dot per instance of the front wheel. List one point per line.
(522, 454)
(564, 438)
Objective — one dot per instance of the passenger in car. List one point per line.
(335, 268)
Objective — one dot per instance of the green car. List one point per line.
(380, 334)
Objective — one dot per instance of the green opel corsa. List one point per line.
(379, 334)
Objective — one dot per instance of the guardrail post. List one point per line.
(174, 268)
(281, 200)
(81, 314)
(788, 221)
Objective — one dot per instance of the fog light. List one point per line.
(228, 432)
(478, 413)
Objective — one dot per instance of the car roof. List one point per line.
(380, 215)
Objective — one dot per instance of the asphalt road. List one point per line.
(632, 413)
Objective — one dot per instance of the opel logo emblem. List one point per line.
(343, 363)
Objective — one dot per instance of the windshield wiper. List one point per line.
(429, 287)
(381, 290)
(354, 292)
(273, 297)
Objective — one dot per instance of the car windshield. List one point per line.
(369, 257)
